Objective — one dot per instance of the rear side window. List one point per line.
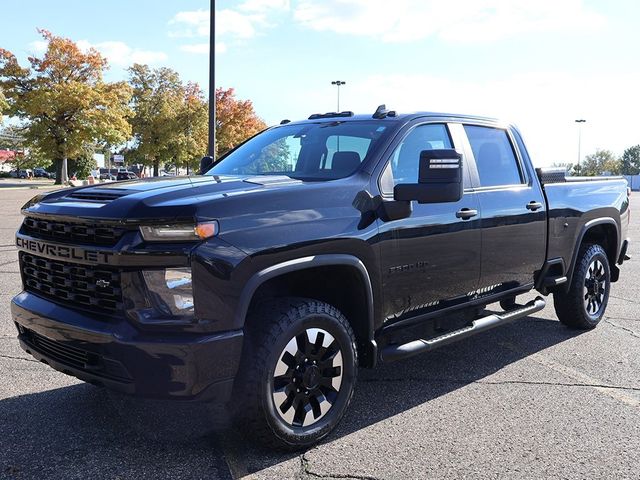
(495, 158)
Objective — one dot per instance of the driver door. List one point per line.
(432, 258)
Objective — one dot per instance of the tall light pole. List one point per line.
(212, 81)
(338, 83)
(579, 121)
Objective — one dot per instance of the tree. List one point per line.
(63, 100)
(631, 161)
(158, 96)
(235, 120)
(193, 126)
(3, 104)
(599, 162)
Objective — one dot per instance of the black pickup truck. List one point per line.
(312, 249)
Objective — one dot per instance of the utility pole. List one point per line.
(212, 81)
(338, 83)
(579, 121)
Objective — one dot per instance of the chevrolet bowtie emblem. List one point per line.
(103, 283)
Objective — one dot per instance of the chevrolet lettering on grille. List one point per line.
(52, 250)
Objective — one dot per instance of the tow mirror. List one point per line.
(205, 164)
(439, 179)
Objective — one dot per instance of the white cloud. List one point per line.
(38, 46)
(264, 5)
(240, 23)
(190, 24)
(120, 54)
(462, 21)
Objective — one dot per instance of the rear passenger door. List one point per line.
(513, 220)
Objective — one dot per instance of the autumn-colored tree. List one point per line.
(235, 120)
(158, 96)
(64, 101)
(599, 162)
(631, 161)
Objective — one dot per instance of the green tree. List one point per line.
(599, 162)
(82, 165)
(64, 101)
(158, 96)
(193, 126)
(631, 161)
(3, 104)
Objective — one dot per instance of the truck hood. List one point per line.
(156, 199)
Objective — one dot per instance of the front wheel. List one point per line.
(584, 304)
(297, 374)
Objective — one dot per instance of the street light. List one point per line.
(579, 121)
(338, 83)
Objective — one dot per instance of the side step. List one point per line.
(396, 352)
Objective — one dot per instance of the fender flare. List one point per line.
(585, 228)
(304, 263)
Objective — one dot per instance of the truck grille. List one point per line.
(72, 232)
(76, 285)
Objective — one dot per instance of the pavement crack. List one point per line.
(622, 298)
(19, 358)
(502, 382)
(626, 319)
(559, 384)
(305, 472)
(620, 327)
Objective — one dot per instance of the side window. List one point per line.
(495, 158)
(405, 159)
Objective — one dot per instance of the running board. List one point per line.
(396, 352)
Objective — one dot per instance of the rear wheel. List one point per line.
(584, 304)
(298, 372)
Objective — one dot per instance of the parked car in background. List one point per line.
(107, 176)
(40, 172)
(126, 176)
(21, 173)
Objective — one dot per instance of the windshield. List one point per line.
(316, 151)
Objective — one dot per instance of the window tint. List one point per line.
(497, 164)
(406, 158)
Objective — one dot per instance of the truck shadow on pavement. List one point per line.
(81, 430)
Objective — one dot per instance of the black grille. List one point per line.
(72, 232)
(76, 357)
(76, 285)
(58, 351)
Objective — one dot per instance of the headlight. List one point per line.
(179, 233)
(170, 290)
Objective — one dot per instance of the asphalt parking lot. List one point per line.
(527, 400)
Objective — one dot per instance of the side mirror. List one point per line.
(439, 179)
(205, 164)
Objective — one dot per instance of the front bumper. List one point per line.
(112, 353)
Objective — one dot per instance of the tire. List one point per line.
(585, 302)
(297, 374)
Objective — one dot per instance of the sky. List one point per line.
(541, 64)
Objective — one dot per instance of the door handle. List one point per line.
(533, 206)
(466, 213)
